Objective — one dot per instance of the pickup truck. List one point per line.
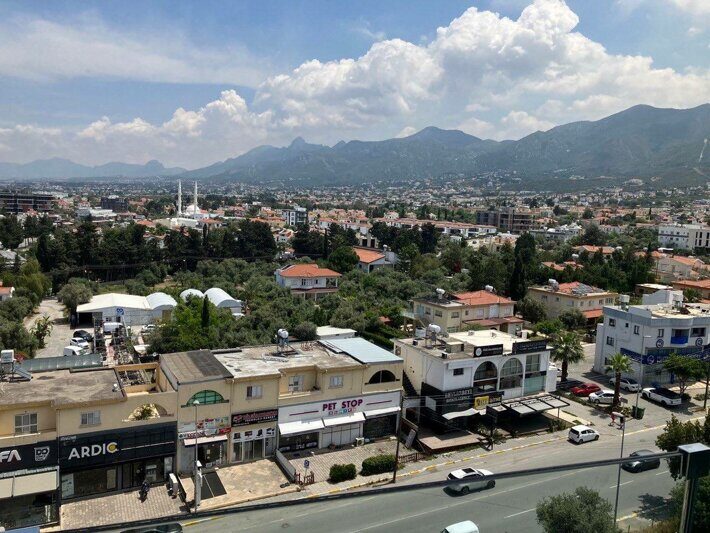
(663, 396)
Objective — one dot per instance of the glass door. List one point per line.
(249, 450)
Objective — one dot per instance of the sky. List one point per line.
(194, 82)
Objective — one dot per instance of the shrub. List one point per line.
(378, 464)
(340, 473)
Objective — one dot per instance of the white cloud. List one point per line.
(44, 50)
(406, 132)
(487, 74)
(694, 7)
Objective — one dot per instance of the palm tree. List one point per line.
(618, 364)
(566, 349)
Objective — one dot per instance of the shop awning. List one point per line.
(467, 412)
(536, 405)
(301, 426)
(519, 408)
(29, 484)
(381, 412)
(204, 440)
(352, 418)
(35, 483)
(553, 402)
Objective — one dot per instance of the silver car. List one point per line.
(629, 384)
(468, 479)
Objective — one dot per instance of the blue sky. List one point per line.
(192, 82)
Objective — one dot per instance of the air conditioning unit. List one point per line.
(360, 441)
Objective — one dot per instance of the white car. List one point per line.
(603, 396)
(81, 343)
(629, 384)
(556, 369)
(580, 434)
(469, 479)
(461, 527)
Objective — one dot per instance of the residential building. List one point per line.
(606, 251)
(648, 333)
(20, 202)
(563, 233)
(308, 280)
(95, 214)
(114, 203)
(650, 288)
(669, 267)
(702, 286)
(295, 216)
(66, 434)
(6, 292)
(684, 236)
(510, 219)
(454, 312)
(370, 260)
(558, 298)
(466, 374)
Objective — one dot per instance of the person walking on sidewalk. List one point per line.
(145, 487)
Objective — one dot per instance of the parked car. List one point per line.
(556, 369)
(81, 343)
(110, 327)
(603, 396)
(585, 389)
(662, 395)
(83, 334)
(629, 384)
(568, 384)
(148, 328)
(75, 350)
(470, 479)
(580, 434)
(639, 464)
(461, 527)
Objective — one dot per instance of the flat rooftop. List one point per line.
(62, 388)
(193, 367)
(268, 360)
(688, 310)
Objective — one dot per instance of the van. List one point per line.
(110, 327)
(461, 527)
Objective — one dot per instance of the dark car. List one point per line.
(172, 527)
(83, 334)
(639, 464)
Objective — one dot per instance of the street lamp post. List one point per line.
(622, 421)
(196, 403)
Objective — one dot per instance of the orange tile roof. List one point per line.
(481, 298)
(699, 284)
(310, 270)
(593, 313)
(606, 250)
(366, 255)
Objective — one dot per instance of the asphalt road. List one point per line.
(510, 506)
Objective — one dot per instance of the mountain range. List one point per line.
(64, 168)
(641, 141)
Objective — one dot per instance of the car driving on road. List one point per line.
(468, 479)
(639, 464)
(580, 434)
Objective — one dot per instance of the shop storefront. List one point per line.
(337, 422)
(254, 435)
(29, 479)
(454, 409)
(211, 436)
(106, 461)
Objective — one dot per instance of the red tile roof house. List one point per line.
(308, 280)
(6, 292)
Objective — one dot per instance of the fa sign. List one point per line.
(9, 456)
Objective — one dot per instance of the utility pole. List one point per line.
(196, 403)
(622, 422)
(399, 430)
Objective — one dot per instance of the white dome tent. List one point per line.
(187, 293)
(221, 299)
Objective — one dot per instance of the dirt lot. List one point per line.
(61, 333)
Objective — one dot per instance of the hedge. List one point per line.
(378, 464)
(340, 473)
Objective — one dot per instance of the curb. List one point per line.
(291, 490)
(435, 466)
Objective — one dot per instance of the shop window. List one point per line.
(532, 363)
(511, 375)
(92, 418)
(26, 423)
(458, 371)
(383, 376)
(253, 392)
(336, 382)
(206, 397)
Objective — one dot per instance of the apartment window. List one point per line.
(697, 332)
(455, 314)
(254, 391)
(466, 312)
(92, 418)
(610, 341)
(557, 299)
(610, 300)
(612, 322)
(627, 325)
(661, 332)
(427, 310)
(295, 383)
(601, 302)
(26, 423)
(437, 313)
(336, 382)
(636, 330)
(479, 313)
(532, 363)
(544, 297)
(458, 371)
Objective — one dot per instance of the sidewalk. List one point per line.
(119, 508)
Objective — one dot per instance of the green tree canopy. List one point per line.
(582, 511)
(566, 349)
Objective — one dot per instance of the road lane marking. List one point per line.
(634, 515)
(521, 512)
(621, 484)
(661, 473)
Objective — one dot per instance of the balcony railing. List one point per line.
(681, 339)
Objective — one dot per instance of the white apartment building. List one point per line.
(650, 332)
(684, 237)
